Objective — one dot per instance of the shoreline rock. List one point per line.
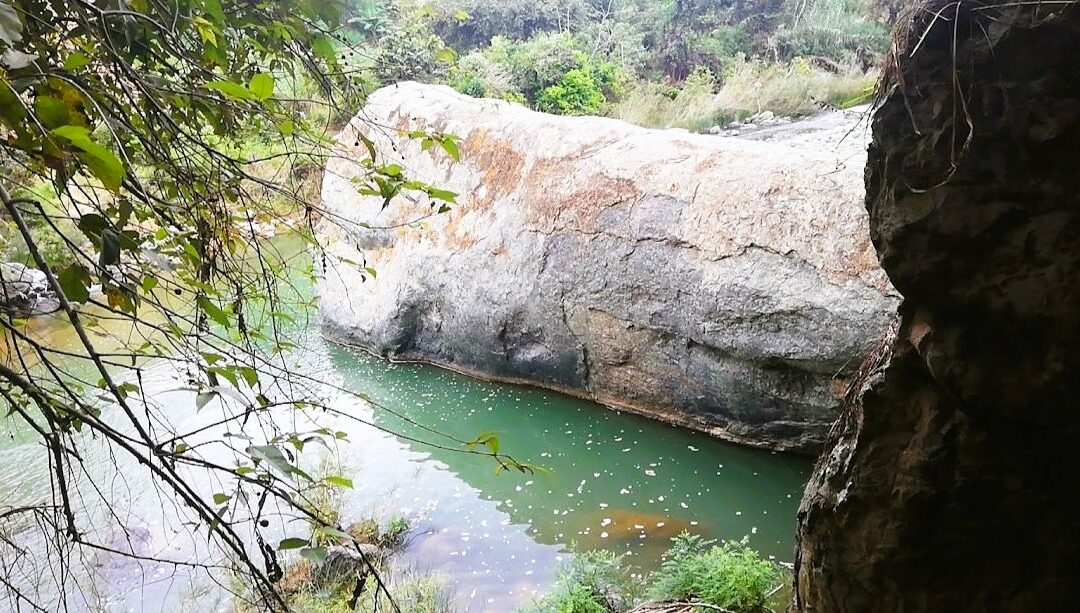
(723, 284)
(25, 291)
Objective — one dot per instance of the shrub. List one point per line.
(592, 582)
(839, 30)
(577, 93)
(655, 105)
(410, 51)
(485, 74)
(731, 575)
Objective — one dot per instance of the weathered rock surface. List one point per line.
(719, 283)
(25, 291)
(947, 484)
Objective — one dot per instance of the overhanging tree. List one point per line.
(138, 116)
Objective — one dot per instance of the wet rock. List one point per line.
(717, 283)
(347, 562)
(942, 488)
(25, 291)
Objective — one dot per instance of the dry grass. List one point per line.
(749, 87)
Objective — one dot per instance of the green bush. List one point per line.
(485, 73)
(577, 93)
(731, 575)
(592, 582)
(410, 50)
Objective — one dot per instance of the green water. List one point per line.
(610, 480)
(601, 464)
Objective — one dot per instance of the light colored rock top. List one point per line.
(736, 194)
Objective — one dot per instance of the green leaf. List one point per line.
(316, 555)
(250, 375)
(75, 282)
(339, 481)
(12, 110)
(213, 311)
(446, 54)
(221, 498)
(76, 61)
(204, 398)
(232, 90)
(449, 145)
(442, 194)
(323, 47)
(102, 163)
(262, 86)
(52, 112)
(110, 248)
(292, 543)
(277, 459)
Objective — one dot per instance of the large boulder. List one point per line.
(940, 488)
(719, 283)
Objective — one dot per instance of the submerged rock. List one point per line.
(718, 283)
(946, 484)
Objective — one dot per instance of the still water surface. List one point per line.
(612, 480)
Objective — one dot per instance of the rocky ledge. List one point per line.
(719, 283)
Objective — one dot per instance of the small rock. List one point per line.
(344, 563)
(762, 117)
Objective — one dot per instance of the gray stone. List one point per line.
(346, 562)
(25, 291)
(718, 283)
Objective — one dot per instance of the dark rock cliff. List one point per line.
(948, 483)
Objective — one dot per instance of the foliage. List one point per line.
(837, 30)
(749, 87)
(577, 93)
(413, 593)
(730, 575)
(469, 24)
(143, 143)
(648, 57)
(549, 71)
(593, 581)
(409, 50)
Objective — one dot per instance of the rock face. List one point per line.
(940, 490)
(718, 283)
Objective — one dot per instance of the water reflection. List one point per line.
(614, 481)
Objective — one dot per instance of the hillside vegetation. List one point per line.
(658, 63)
